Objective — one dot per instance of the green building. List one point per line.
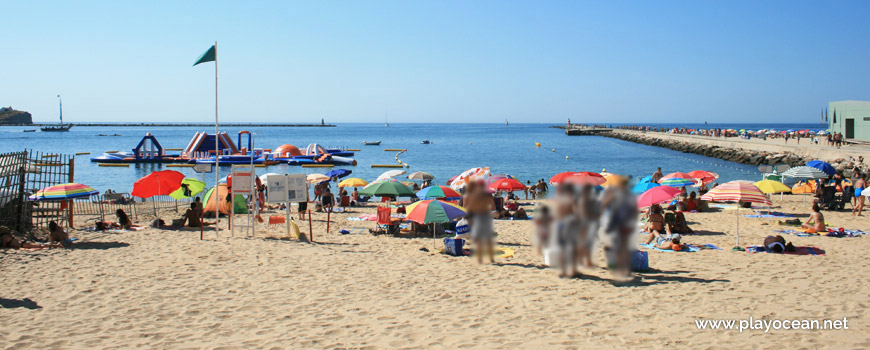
(851, 118)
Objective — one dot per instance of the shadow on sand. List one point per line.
(16, 303)
(98, 245)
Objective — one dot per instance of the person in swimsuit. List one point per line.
(124, 220)
(816, 221)
(57, 234)
(480, 205)
(191, 217)
(777, 244)
(327, 199)
(860, 184)
(656, 176)
(7, 240)
(656, 224)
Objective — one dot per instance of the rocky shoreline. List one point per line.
(735, 154)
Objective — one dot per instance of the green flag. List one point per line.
(208, 56)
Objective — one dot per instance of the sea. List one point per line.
(506, 149)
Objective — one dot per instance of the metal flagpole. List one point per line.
(217, 170)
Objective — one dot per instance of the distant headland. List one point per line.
(10, 116)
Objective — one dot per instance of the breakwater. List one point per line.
(205, 125)
(750, 152)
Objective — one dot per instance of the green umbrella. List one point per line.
(387, 189)
(193, 187)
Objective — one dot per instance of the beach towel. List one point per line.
(691, 249)
(844, 233)
(798, 250)
(708, 246)
(794, 232)
(364, 217)
(769, 215)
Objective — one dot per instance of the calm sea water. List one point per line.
(455, 148)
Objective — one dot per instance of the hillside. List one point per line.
(9, 116)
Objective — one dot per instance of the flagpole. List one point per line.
(217, 170)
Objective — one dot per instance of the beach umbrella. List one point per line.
(657, 195)
(437, 192)
(647, 178)
(157, 183)
(434, 212)
(506, 185)
(866, 192)
(676, 182)
(63, 192)
(193, 187)
(678, 175)
(389, 174)
(772, 186)
(642, 187)
(704, 176)
(421, 175)
(737, 191)
(337, 173)
(824, 167)
(317, 178)
(353, 182)
(805, 172)
(387, 189)
(473, 174)
(579, 178)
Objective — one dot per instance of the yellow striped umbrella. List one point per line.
(737, 191)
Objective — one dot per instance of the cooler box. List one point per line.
(454, 246)
(462, 229)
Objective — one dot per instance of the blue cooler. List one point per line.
(454, 246)
(639, 261)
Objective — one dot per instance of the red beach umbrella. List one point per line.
(657, 195)
(737, 191)
(579, 178)
(157, 183)
(706, 177)
(506, 185)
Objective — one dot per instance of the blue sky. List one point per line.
(450, 61)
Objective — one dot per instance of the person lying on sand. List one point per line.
(520, 214)
(7, 240)
(106, 225)
(777, 244)
(816, 221)
(670, 242)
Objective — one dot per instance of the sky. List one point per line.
(435, 61)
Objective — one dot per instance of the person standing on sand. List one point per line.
(860, 184)
(656, 176)
(480, 205)
(526, 190)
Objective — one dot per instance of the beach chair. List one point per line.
(345, 201)
(828, 200)
(385, 222)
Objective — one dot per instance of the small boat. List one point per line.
(30, 130)
(372, 143)
(426, 142)
(60, 127)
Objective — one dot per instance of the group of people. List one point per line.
(567, 231)
(538, 190)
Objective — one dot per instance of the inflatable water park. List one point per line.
(201, 150)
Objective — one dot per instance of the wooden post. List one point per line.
(72, 164)
(310, 229)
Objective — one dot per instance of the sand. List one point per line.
(169, 289)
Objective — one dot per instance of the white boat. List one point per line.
(371, 143)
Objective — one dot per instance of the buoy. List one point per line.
(554, 150)
(566, 157)
(469, 143)
(537, 144)
(400, 162)
(115, 164)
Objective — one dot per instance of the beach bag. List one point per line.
(462, 228)
(454, 246)
(639, 261)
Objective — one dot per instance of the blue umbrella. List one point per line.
(338, 173)
(643, 187)
(646, 179)
(825, 167)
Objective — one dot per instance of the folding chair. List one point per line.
(385, 222)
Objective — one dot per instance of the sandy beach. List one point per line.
(167, 289)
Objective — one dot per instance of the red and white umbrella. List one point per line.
(737, 191)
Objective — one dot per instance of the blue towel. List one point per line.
(710, 246)
(653, 247)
